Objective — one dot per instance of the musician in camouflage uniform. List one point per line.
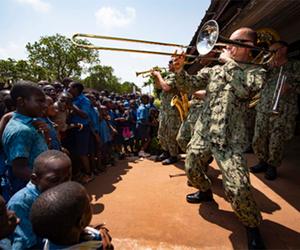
(273, 130)
(186, 129)
(220, 130)
(169, 119)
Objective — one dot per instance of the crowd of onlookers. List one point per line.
(54, 133)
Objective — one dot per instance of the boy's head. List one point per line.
(61, 213)
(49, 90)
(8, 220)
(28, 98)
(92, 98)
(50, 169)
(75, 88)
(50, 110)
(145, 99)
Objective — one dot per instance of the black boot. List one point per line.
(171, 160)
(189, 183)
(163, 156)
(259, 168)
(200, 196)
(271, 173)
(255, 240)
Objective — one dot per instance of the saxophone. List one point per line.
(182, 105)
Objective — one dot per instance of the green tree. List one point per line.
(7, 71)
(59, 57)
(101, 78)
(127, 87)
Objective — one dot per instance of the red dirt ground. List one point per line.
(146, 209)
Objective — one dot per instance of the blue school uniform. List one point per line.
(21, 139)
(104, 130)
(84, 104)
(54, 143)
(80, 140)
(21, 203)
(142, 114)
(142, 129)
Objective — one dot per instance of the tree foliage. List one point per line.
(60, 57)
(55, 57)
(103, 78)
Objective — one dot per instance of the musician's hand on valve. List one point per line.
(155, 73)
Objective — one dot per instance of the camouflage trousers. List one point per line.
(186, 129)
(235, 176)
(271, 134)
(167, 132)
(250, 125)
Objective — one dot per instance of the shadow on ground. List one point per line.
(104, 183)
(281, 237)
(287, 184)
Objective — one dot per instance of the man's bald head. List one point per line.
(244, 34)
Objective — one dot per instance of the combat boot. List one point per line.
(163, 156)
(171, 160)
(271, 173)
(259, 168)
(200, 196)
(255, 240)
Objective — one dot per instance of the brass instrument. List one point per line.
(90, 46)
(265, 38)
(278, 90)
(207, 39)
(254, 101)
(181, 105)
(146, 73)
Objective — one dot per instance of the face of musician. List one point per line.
(244, 35)
(171, 66)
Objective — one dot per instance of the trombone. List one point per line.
(91, 46)
(208, 38)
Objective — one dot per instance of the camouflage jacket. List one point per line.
(229, 88)
(287, 101)
(166, 97)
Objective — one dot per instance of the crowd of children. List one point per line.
(54, 133)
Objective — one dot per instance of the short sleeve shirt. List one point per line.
(22, 140)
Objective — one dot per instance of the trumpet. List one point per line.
(146, 73)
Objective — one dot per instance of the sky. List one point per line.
(172, 21)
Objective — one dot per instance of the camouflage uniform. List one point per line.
(272, 131)
(169, 119)
(220, 131)
(187, 126)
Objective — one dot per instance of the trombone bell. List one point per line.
(207, 38)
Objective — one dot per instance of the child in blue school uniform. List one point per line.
(69, 203)
(21, 141)
(8, 223)
(50, 168)
(106, 131)
(143, 127)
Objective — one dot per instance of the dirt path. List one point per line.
(146, 209)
